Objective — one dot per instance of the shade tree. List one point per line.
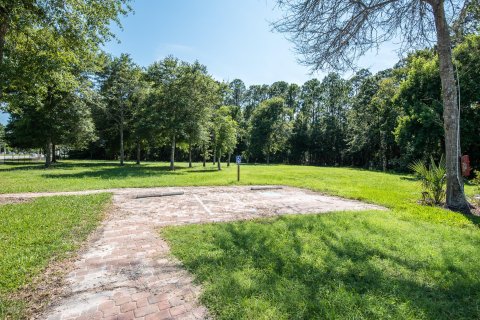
(45, 119)
(120, 86)
(203, 95)
(335, 34)
(184, 95)
(225, 133)
(48, 97)
(80, 26)
(269, 128)
(236, 93)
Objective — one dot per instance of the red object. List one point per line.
(466, 169)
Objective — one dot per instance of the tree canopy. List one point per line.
(333, 34)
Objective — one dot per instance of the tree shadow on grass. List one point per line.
(409, 178)
(58, 165)
(474, 219)
(327, 277)
(204, 171)
(22, 166)
(118, 172)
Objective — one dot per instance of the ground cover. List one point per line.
(412, 262)
(33, 234)
(409, 262)
(88, 175)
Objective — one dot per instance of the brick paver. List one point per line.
(128, 273)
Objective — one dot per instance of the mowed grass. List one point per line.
(89, 175)
(369, 265)
(35, 233)
(411, 262)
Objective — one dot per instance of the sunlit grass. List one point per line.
(411, 262)
(35, 233)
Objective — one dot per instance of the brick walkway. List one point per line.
(127, 272)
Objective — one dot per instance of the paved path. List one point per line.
(128, 273)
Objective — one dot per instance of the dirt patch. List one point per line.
(476, 210)
(14, 200)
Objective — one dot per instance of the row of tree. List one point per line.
(70, 93)
(382, 121)
(60, 89)
(335, 34)
(48, 53)
(170, 103)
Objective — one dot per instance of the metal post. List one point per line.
(238, 160)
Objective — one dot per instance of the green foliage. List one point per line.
(332, 266)
(183, 100)
(432, 179)
(2, 134)
(224, 132)
(236, 94)
(122, 89)
(202, 96)
(34, 233)
(476, 181)
(59, 116)
(48, 50)
(82, 25)
(467, 59)
(420, 125)
(270, 128)
(372, 120)
(338, 265)
(319, 127)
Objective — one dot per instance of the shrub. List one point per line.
(432, 179)
(476, 181)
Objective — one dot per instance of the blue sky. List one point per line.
(233, 38)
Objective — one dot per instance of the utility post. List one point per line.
(239, 161)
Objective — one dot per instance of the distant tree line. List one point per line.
(382, 121)
(60, 89)
(176, 110)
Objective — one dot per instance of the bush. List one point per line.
(432, 179)
(476, 181)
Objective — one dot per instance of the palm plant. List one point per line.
(432, 179)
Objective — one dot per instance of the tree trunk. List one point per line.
(189, 155)
(138, 152)
(228, 159)
(268, 157)
(219, 161)
(48, 153)
(214, 154)
(54, 151)
(384, 147)
(204, 155)
(3, 34)
(122, 152)
(455, 195)
(172, 154)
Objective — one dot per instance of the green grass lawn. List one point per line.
(409, 262)
(35, 233)
(87, 175)
(412, 262)
(369, 265)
